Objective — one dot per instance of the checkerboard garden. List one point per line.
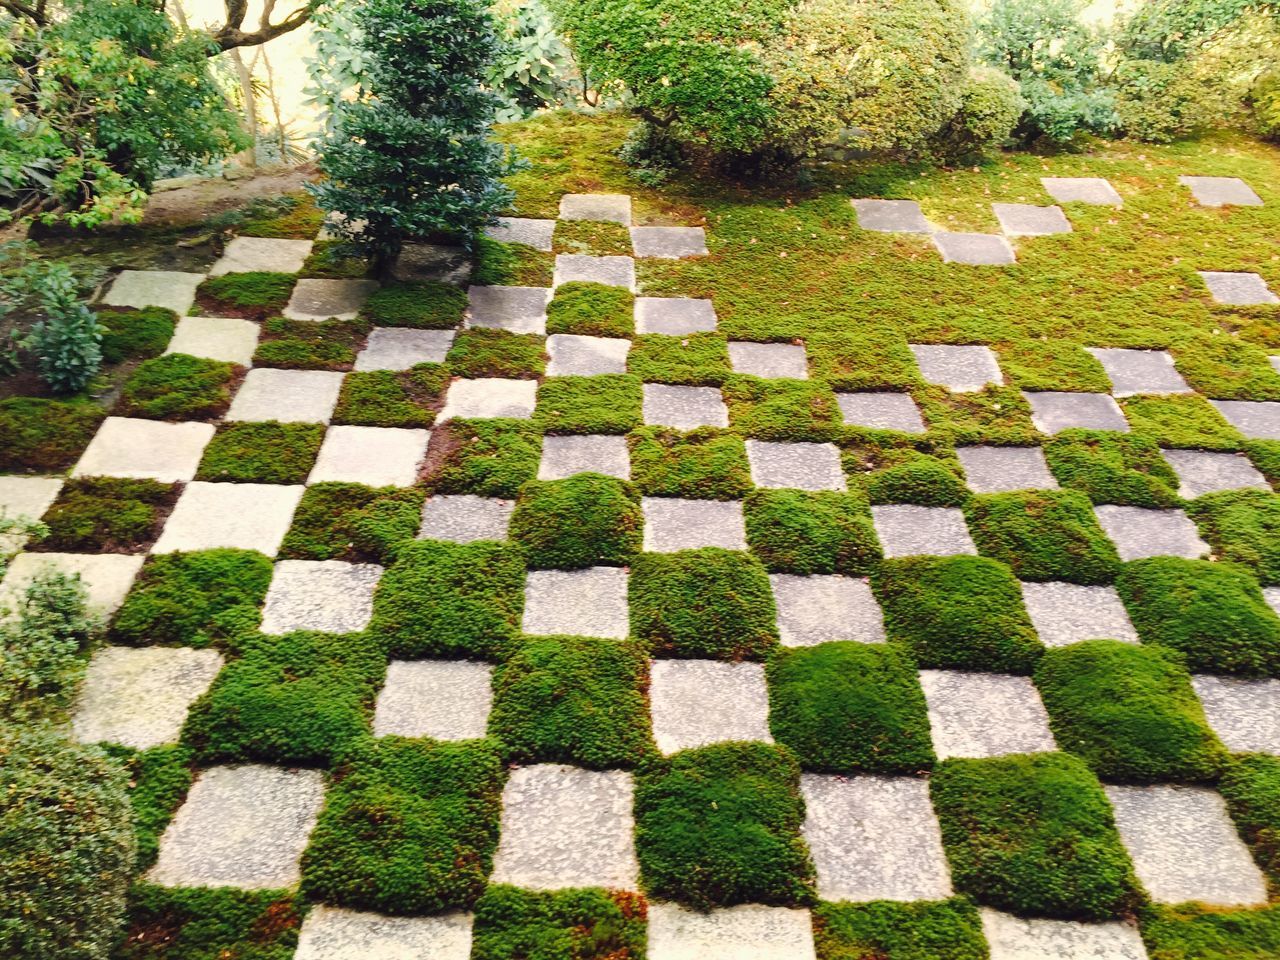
(888, 570)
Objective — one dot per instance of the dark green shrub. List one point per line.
(480, 352)
(254, 295)
(1043, 535)
(920, 479)
(159, 779)
(781, 410)
(261, 452)
(583, 924)
(43, 633)
(177, 387)
(309, 345)
(1242, 526)
(586, 520)
(591, 309)
(991, 104)
(46, 436)
(606, 403)
(135, 334)
(489, 458)
(698, 359)
(702, 464)
(107, 515)
(424, 306)
(349, 521)
(884, 930)
(392, 398)
(1110, 467)
(210, 923)
(1191, 932)
(805, 532)
(1251, 786)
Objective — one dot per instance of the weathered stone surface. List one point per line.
(800, 466)
(490, 397)
(999, 469)
(962, 369)
(580, 267)
(974, 249)
(1020, 938)
(684, 408)
(216, 338)
(107, 577)
(907, 530)
(607, 207)
(1138, 532)
(144, 450)
(374, 456)
(332, 933)
(576, 356)
(328, 596)
(270, 254)
(565, 456)
(531, 233)
(1238, 289)
(315, 299)
(1221, 191)
(154, 288)
(26, 497)
(674, 316)
(1053, 411)
(1257, 420)
(1140, 371)
(881, 411)
(1091, 190)
(1204, 471)
(1066, 613)
(290, 396)
(1272, 596)
(1245, 714)
(464, 518)
(984, 714)
(818, 608)
(698, 702)
(400, 348)
(1028, 220)
(585, 603)
(891, 216)
(672, 243)
(745, 932)
(441, 699)
(769, 360)
(517, 309)
(248, 516)
(442, 263)
(672, 524)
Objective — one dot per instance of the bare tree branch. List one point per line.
(19, 9)
(230, 35)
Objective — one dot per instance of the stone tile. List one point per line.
(798, 466)
(107, 577)
(438, 262)
(1221, 191)
(328, 596)
(984, 714)
(1028, 220)
(154, 288)
(608, 207)
(1140, 371)
(490, 397)
(374, 456)
(1272, 596)
(1020, 938)
(891, 216)
(531, 233)
(1064, 613)
(1138, 532)
(1237, 289)
(464, 518)
(672, 524)
(962, 369)
(907, 530)
(332, 933)
(674, 316)
(248, 254)
(974, 249)
(671, 243)
(769, 360)
(248, 516)
(241, 826)
(583, 603)
(611, 271)
(1000, 469)
(1052, 411)
(1245, 714)
(314, 299)
(517, 309)
(746, 932)
(1185, 847)
(1091, 190)
(1257, 420)
(216, 338)
(140, 697)
(881, 411)
(290, 396)
(823, 607)
(566, 827)
(874, 838)
(699, 702)
(684, 408)
(144, 450)
(565, 456)
(1204, 471)
(577, 356)
(24, 497)
(441, 699)
(400, 348)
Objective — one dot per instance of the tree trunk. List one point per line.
(249, 157)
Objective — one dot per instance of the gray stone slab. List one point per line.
(1272, 596)
(1053, 411)
(140, 697)
(745, 932)
(577, 356)
(374, 456)
(1091, 190)
(1245, 714)
(1221, 191)
(1185, 847)
(1021, 938)
(248, 516)
(891, 216)
(581, 267)
(672, 524)
(440, 699)
(769, 360)
(881, 411)
(26, 497)
(1138, 532)
(465, 518)
(607, 207)
(400, 348)
(1064, 613)
(974, 249)
(671, 243)
(566, 827)
(1238, 289)
(270, 254)
(874, 838)
(674, 316)
(216, 338)
(907, 530)
(583, 603)
(1028, 220)
(799, 466)
(439, 262)
(290, 396)
(699, 702)
(332, 933)
(327, 596)
(1257, 420)
(144, 450)
(984, 714)
(531, 233)
(107, 577)
(1274, 360)
(154, 288)
(684, 408)
(1000, 469)
(241, 826)
(315, 299)
(1204, 471)
(823, 607)
(1140, 371)
(490, 397)
(565, 456)
(517, 309)
(962, 369)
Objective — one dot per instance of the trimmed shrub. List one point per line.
(1110, 467)
(268, 452)
(481, 352)
(309, 345)
(698, 359)
(606, 403)
(591, 309)
(586, 520)
(885, 930)
(210, 923)
(41, 639)
(488, 458)
(1251, 786)
(424, 306)
(701, 464)
(349, 521)
(1190, 932)
(1162, 102)
(1043, 535)
(392, 398)
(805, 532)
(781, 410)
(253, 295)
(45, 436)
(107, 515)
(581, 924)
(177, 387)
(991, 104)
(135, 334)
(1242, 526)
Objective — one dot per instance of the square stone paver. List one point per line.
(672, 524)
(769, 360)
(565, 456)
(332, 933)
(984, 714)
(962, 369)
(328, 596)
(699, 702)
(107, 577)
(216, 338)
(374, 456)
(684, 408)
(745, 932)
(139, 697)
(1221, 191)
(874, 838)
(582, 603)
(241, 826)
(891, 216)
(825, 607)
(1140, 371)
(247, 516)
(974, 249)
(154, 288)
(1028, 220)
(1204, 471)
(1257, 420)
(1238, 289)
(1092, 190)
(798, 466)
(566, 827)
(531, 233)
(1064, 613)
(1185, 847)
(1272, 596)
(577, 356)
(1021, 938)
(581, 267)
(26, 497)
(606, 207)
(1245, 714)
(881, 411)
(400, 348)
(270, 254)
(1000, 469)
(441, 699)
(314, 299)
(1139, 532)
(671, 243)
(517, 309)
(144, 450)
(674, 316)
(907, 530)
(1053, 411)
(465, 518)
(290, 396)
(490, 397)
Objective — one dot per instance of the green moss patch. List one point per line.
(1242, 526)
(291, 216)
(392, 398)
(107, 515)
(349, 521)
(806, 532)
(885, 930)
(591, 309)
(178, 387)
(45, 436)
(480, 352)
(699, 359)
(1251, 787)
(424, 306)
(1111, 467)
(308, 345)
(575, 924)
(1054, 365)
(334, 260)
(255, 295)
(702, 464)
(608, 403)
(900, 474)
(210, 923)
(593, 237)
(261, 452)
(135, 334)
(781, 410)
(862, 361)
(1227, 368)
(511, 264)
(586, 520)
(488, 458)
(159, 779)
(1180, 421)
(1208, 933)
(995, 415)
(1265, 455)
(1043, 535)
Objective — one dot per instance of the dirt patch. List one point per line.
(441, 450)
(199, 201)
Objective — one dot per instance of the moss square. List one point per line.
(499, 264)
(349, 521)
(701, 464)
(202, 923)
(1265, 455)
(576, 924)
(177, 387)
(1251, 786)
(811, 531)
(591, 309)
(423, 306)
(392, 398)
(267, 452)
(1242, 526)
(289, 216)
(586, 520)
(696, 360)
(885, 930)
(894, 472)
(480, 352)
(135, 334)
(488, 458)
(995, 415)
(107, 515)
(309, 345)
(862, 361)
(1180, 420)
(1051, 365)
(46, 436)
(594, 237)
(159, 779)
(1190, 932)
(1109, 467)
(608, 403)
(254, 295)
(1227, 368)
(334, 260)
(781, 410)
(1043, 535)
